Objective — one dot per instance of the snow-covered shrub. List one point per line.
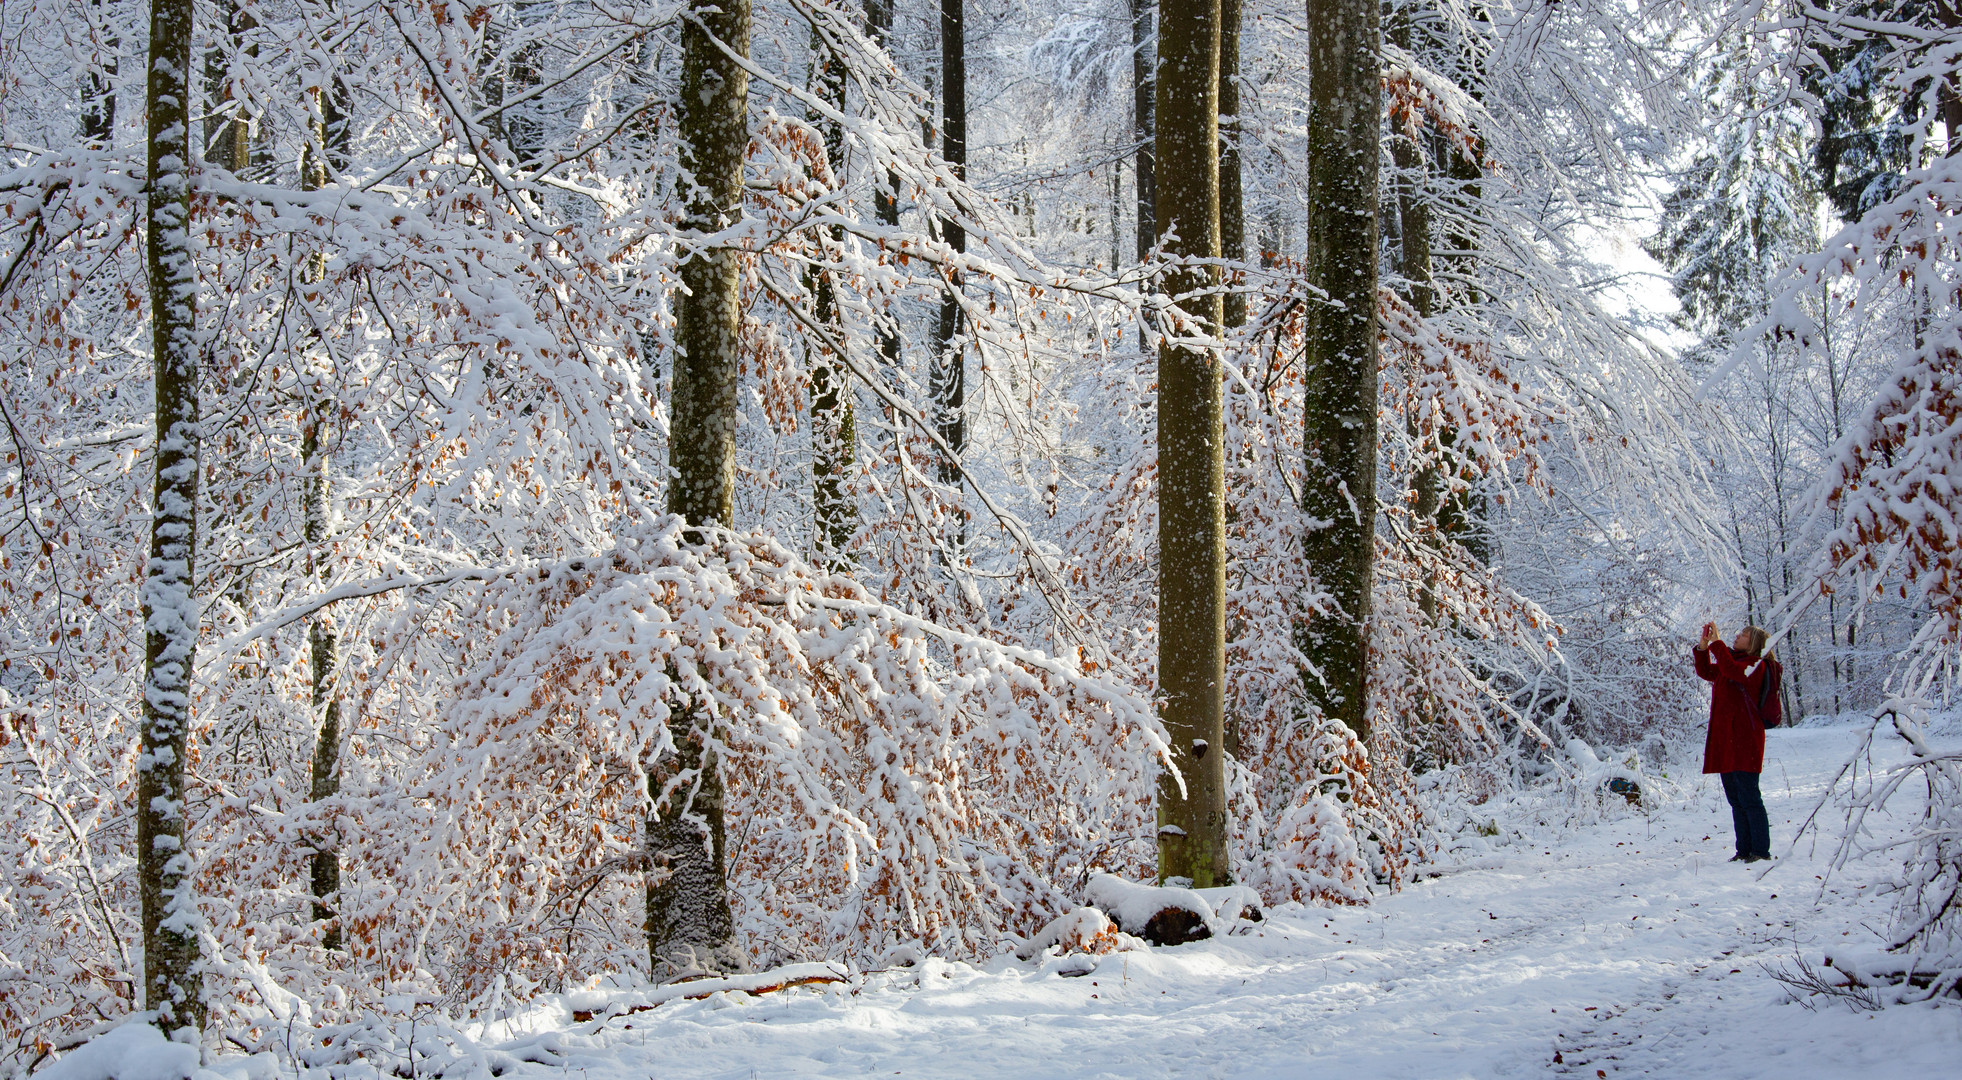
(888, 779)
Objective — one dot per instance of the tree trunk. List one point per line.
(172, 985)
(327, 143)
(1414, 244)
(99, 92)
(227, 129)
(690, 928)
(1191, 469)
(1144, 108)
(1232, 201)
(878, 27)
(949, 378)
(834, 435)
(1345, 107)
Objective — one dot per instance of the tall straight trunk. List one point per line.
(834, 432)
(1232, 200)
(1191, 468)
(885, 202)
(1339, 421)
(327, 143)
(1459, 510)
(949, 378)
(99, 92)
(690, 927)
(1414, 263)
(172, 985)
(1144, 109)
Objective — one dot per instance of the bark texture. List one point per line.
(1191, 469)
(949, 377)
(690, 928)
(171, 983)
(1345, 109)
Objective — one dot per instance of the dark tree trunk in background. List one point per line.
(171, 983)
(1191, 469)
(1144, 109)
(690, 927)
(1345, 107)
(949, 380)
(878, 27)
(327, 145)
(1232, 201)
(1459, 511)
(227, 128)
(99, 92)
(1414, 263)
(834, 434)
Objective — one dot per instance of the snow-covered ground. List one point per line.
(1630, 947)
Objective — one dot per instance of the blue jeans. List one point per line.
(1747, 813)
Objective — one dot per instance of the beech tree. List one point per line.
(690, 928)
(1339, 492)
(172, 986)
(1191, 466)
(949, 373)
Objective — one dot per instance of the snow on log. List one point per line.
(588, 1004)
(1162, 916)
(1230, 902)
(1085, 930)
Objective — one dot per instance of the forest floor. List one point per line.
(1629, 947)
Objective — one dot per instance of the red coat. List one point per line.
(1735, 742)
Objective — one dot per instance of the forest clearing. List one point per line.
(979, 537)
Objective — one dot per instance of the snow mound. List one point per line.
(131, 1052)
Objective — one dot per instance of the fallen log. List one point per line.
(761, 982)
(1160, 915)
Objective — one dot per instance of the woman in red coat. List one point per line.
(1734, 747)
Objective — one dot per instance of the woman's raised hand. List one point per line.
(1709, 635)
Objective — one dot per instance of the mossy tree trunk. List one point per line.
(1339, 418)
(1191, 470)
(690, 926)
(172, 986)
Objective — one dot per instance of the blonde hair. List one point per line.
(1755, 637)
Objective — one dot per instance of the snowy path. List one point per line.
(1632, 948)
